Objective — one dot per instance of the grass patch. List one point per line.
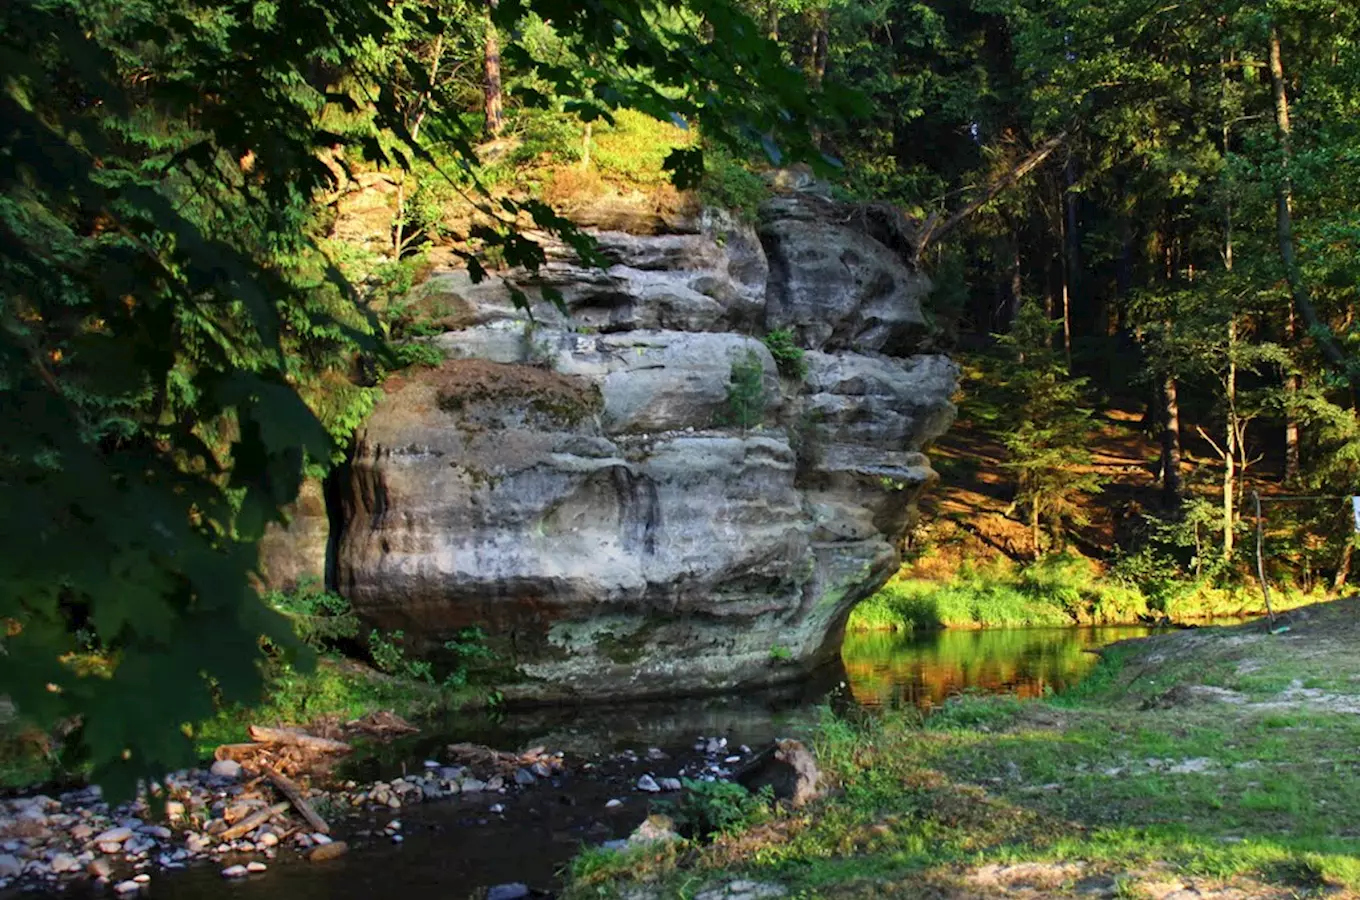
(1158, 766)
(1058, 590)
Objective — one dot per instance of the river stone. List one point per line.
(788, 768)
(324, 852)
(10, 866)
(648, 783)
(513, 891)
(236, 871)
(127, 887)
(743, 890)
(64, 862)
(113, 836)
(654, 829)
(226, 768)
(524, 777)
(579, 488)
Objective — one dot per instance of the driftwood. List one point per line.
(252, 821)
(230, 751)
(293, 738)
(290, 790)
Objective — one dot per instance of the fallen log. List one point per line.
(290, 790)
(291, 737)
(229, 751)
(252, 821)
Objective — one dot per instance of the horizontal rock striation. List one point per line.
(582, 487)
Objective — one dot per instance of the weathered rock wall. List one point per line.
(573, 485)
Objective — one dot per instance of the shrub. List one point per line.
(710, 808)
(746, 391)
(788, 356)
(319, 617)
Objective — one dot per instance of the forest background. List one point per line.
(1140, 218)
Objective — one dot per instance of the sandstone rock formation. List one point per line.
(577, 485)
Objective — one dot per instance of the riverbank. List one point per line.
(1216, 760)
(1057, 591)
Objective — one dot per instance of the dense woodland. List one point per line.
(1120, 202)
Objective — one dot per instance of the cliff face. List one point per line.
(574, 485)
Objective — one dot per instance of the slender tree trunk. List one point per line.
(1171, 444)
(1035, 531)
(1284, 219)
(1230, 448)
(1343, 568)
(416, 118)
(1071, 254)
(821, 48)
(772, 20)
(1292, 383)
(491, 85)
(585, 145)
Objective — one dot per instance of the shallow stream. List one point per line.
(455, 848)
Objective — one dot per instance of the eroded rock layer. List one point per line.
(582, 487)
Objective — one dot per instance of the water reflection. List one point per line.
(892, 670)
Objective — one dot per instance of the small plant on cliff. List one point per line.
(468, 647)
(788, 356)
(389, 655)
(746, 392)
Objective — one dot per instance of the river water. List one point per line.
(454, 849)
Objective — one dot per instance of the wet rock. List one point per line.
(226, 768)
(142, 878)
(64, 862)
(648, 783)
(473, 786)
(237, 871)
(525, 777)
(10, 866)
(670, 784)
(541, 769)
(515, 891)
(495, 783)
(256, 866)
(788, 768)
(613, 804)
(655, 829)
(743, 890)
(267, 840)
(99, 868)
(333, 850)
(127, 887)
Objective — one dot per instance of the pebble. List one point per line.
(397, 839)
(473, 786)
(495, 783)
(670, 784)
(497, 807)
(333, 850)
(234, 872)
(321, 839)
(268, 839)
(613, 804)
(113, 836)
(226, 768)
(524, 777)
(64, 862)
(126, 887)
(515, 891)
(100, 868)
(10, 866)
(541, 769)
(648, 783)
(142, 878)
(255, 866)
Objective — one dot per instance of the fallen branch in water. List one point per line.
(285, 786)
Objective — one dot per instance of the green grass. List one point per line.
(1057, 590)
(336, 688)
(1132, 774)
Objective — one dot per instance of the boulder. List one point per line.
(788, 769)
(581, 489)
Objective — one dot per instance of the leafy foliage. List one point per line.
(746, 392)
(788, 356)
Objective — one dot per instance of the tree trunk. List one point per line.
(1343, 569)
(1171, 445)
(772, 20)
(1284, 219)
(1230, 448)
(1071, 254)
(1292, 383)
(821, 48)
(491, 85)
(1034, 528)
